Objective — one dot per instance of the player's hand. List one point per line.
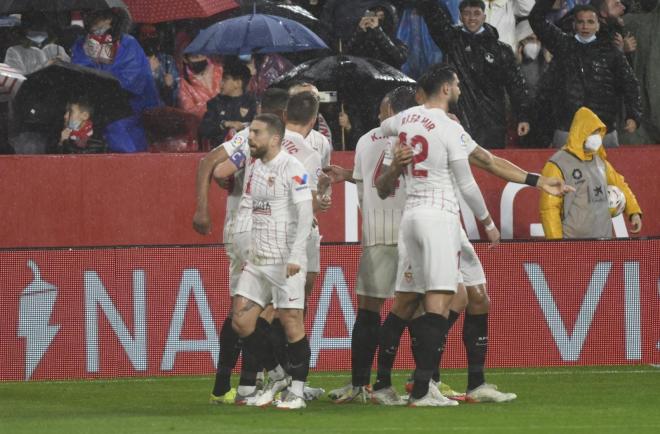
(292, 269)
(631, 125)
(636, 223)
(493, 236)
(202, 221)
(335, 173)
(403, 155)
(554, 186)
(325, 202)
(523, 129)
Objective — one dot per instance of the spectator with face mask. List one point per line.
(582, 164)
(201, 80)
(107, 47)
(27, 56)
(588, 71)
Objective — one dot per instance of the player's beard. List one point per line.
(257, 151)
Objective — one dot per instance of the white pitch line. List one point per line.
(452, 373)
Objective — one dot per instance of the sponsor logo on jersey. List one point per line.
(261, 207)
(299, 180)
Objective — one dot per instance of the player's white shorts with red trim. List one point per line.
(377, 272)
(429, 250)
(265, 284)
(472, 272)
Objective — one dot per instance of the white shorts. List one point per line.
(377, 272)
(265, 284)
(472, 272)
(314, 251)
(238, 252)
(429, 250)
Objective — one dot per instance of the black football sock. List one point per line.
(258, 344)
(475, 339)
(453, 316)
(364, 341)
(299, 354)
(249, 369)
(278, 341)
(230, 348)
(427, 334)
(389, 337)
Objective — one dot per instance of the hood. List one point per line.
(585, 122)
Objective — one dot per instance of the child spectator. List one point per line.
(78, 127)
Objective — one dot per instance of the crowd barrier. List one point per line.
(147, 199)
(68, 313)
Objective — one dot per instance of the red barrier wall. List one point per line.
(147, 199)
(88, 313)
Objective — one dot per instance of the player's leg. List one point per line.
(230, 346)
(434, 256)
(475, 339)
(290, 302)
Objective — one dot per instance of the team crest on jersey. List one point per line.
(299, 180)
(408, 275)
(271, 180)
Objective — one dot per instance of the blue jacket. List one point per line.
(131, 68)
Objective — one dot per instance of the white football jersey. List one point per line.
(320, 144)
(436, 141)
(238, 143)
(294, 144)
(380, 218)
(276, 187)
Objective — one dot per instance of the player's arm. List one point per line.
(472, 195)
(302, 198)
(202, 218)
(508, 171)
(633, 210)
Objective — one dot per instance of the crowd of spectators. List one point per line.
(525, 67)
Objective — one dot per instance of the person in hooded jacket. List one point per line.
(589, 71)
(374, 36)
(582, 164)
(107, 47)
(486, 68)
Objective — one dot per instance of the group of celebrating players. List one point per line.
(410, 173)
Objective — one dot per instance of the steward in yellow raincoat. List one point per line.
(582, 163)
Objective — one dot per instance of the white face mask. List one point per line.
(532, 50)
(585, 40)
(593, 142)
(37, 37)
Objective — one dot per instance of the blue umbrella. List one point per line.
(255, 33)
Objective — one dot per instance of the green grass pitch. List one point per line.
(554, 400)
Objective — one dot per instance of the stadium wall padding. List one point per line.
(72, 313)
(149, 199)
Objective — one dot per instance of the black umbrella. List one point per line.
(358, 81)
(347, 74)
(292, 12)
(19, 6)
(42, 98)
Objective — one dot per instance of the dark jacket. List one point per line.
(595, 75)
(486, 68)
(379, 43)
(225, 108)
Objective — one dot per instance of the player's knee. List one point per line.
(478, 300)
(241, 326)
